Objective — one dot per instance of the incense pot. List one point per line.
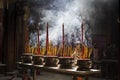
(26, 58)
(84, 64)
(66, 62)
(51, 61)
(38, 59)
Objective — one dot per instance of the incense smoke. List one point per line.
(72, 13)
(69, 13)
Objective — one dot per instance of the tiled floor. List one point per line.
(47, 76)
(53, 76)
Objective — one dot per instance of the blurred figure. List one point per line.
(95, 53)
(110, 52)
(95, 56)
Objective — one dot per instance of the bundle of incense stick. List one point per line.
(90, 51)
(63, 50)
(33, 49)
(28, 49)
(55, 50)
(86, 53)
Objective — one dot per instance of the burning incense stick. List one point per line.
(82, 39)
(82, 31)
(47, 39)
(38, 46)
(62, 39)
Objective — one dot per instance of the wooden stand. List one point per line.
(70, 72)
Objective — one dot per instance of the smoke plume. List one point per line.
(72, 13)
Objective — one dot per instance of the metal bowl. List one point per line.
(51, 61)
(84, 64)
(38, 59)
(26, 58)
(66, 62)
